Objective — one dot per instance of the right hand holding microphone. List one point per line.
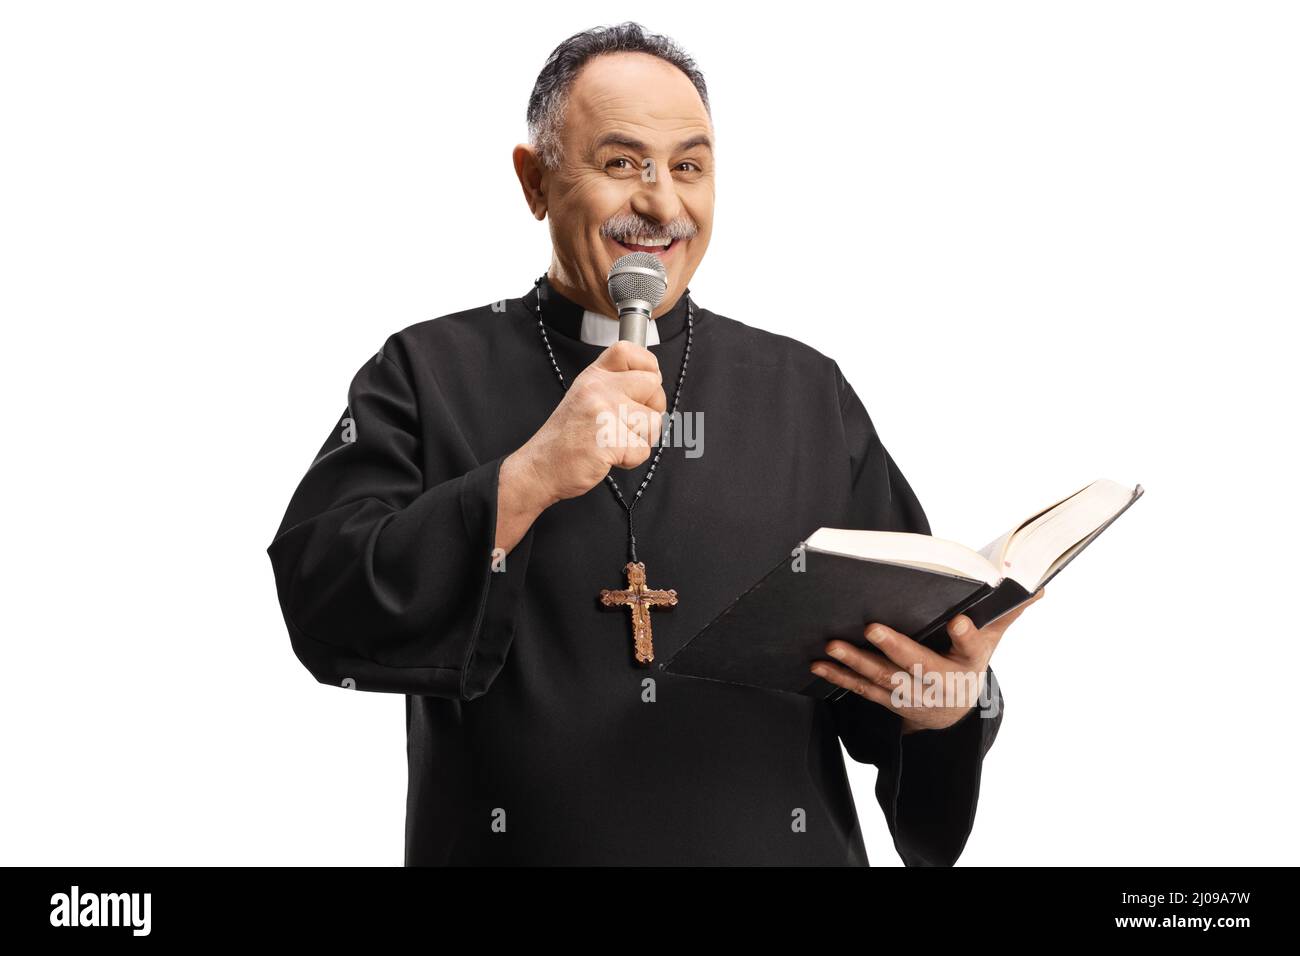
(611, 415)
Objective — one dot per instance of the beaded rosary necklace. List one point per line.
(636, 597)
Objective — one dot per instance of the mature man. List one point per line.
(451, 539)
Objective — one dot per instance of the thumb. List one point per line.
(964, 636)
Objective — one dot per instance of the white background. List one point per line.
(1047, 242)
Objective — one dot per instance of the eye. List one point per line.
(621, 159)
(693, 168)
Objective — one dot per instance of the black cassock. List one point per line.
(531, 735)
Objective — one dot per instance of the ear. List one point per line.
(532, 177)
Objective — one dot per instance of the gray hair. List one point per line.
(550, 95)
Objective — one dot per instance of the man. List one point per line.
(451, 539)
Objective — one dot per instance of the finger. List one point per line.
(642, 421)
(852, 681)
(872, 666)
(640, 386)
(968, 641)
(622, 356)
(658, 400)
(634, 453)
(901, 649)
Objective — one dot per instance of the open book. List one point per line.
(839, 580)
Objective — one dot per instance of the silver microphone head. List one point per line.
(638, 275)
(637, 284)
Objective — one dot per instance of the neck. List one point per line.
(575, 293)
(598, 304)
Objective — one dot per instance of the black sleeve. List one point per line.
(928, 782)
(385, 574)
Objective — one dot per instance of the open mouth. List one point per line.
(643, 244)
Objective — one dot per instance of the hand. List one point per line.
(875, 677)
(611, 414)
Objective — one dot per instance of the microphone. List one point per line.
(637, 284)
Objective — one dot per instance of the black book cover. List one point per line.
(771, 634)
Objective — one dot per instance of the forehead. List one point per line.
(635, 91)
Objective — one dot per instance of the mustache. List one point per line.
(626, 226)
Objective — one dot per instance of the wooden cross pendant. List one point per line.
(639, 599)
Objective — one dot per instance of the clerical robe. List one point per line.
(533, 736)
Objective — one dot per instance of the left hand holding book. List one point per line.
(901, 676)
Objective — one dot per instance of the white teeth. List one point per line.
(642, 241)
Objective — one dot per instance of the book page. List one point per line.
(913, 550)
(996, 550)
(992, 552)
(1042, 544)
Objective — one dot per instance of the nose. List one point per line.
(657, 200)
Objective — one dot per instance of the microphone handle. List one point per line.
(633, 320)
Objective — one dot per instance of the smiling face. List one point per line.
(636, 175)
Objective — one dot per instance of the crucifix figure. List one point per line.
(639, 599)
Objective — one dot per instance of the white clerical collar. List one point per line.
(600, 329)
